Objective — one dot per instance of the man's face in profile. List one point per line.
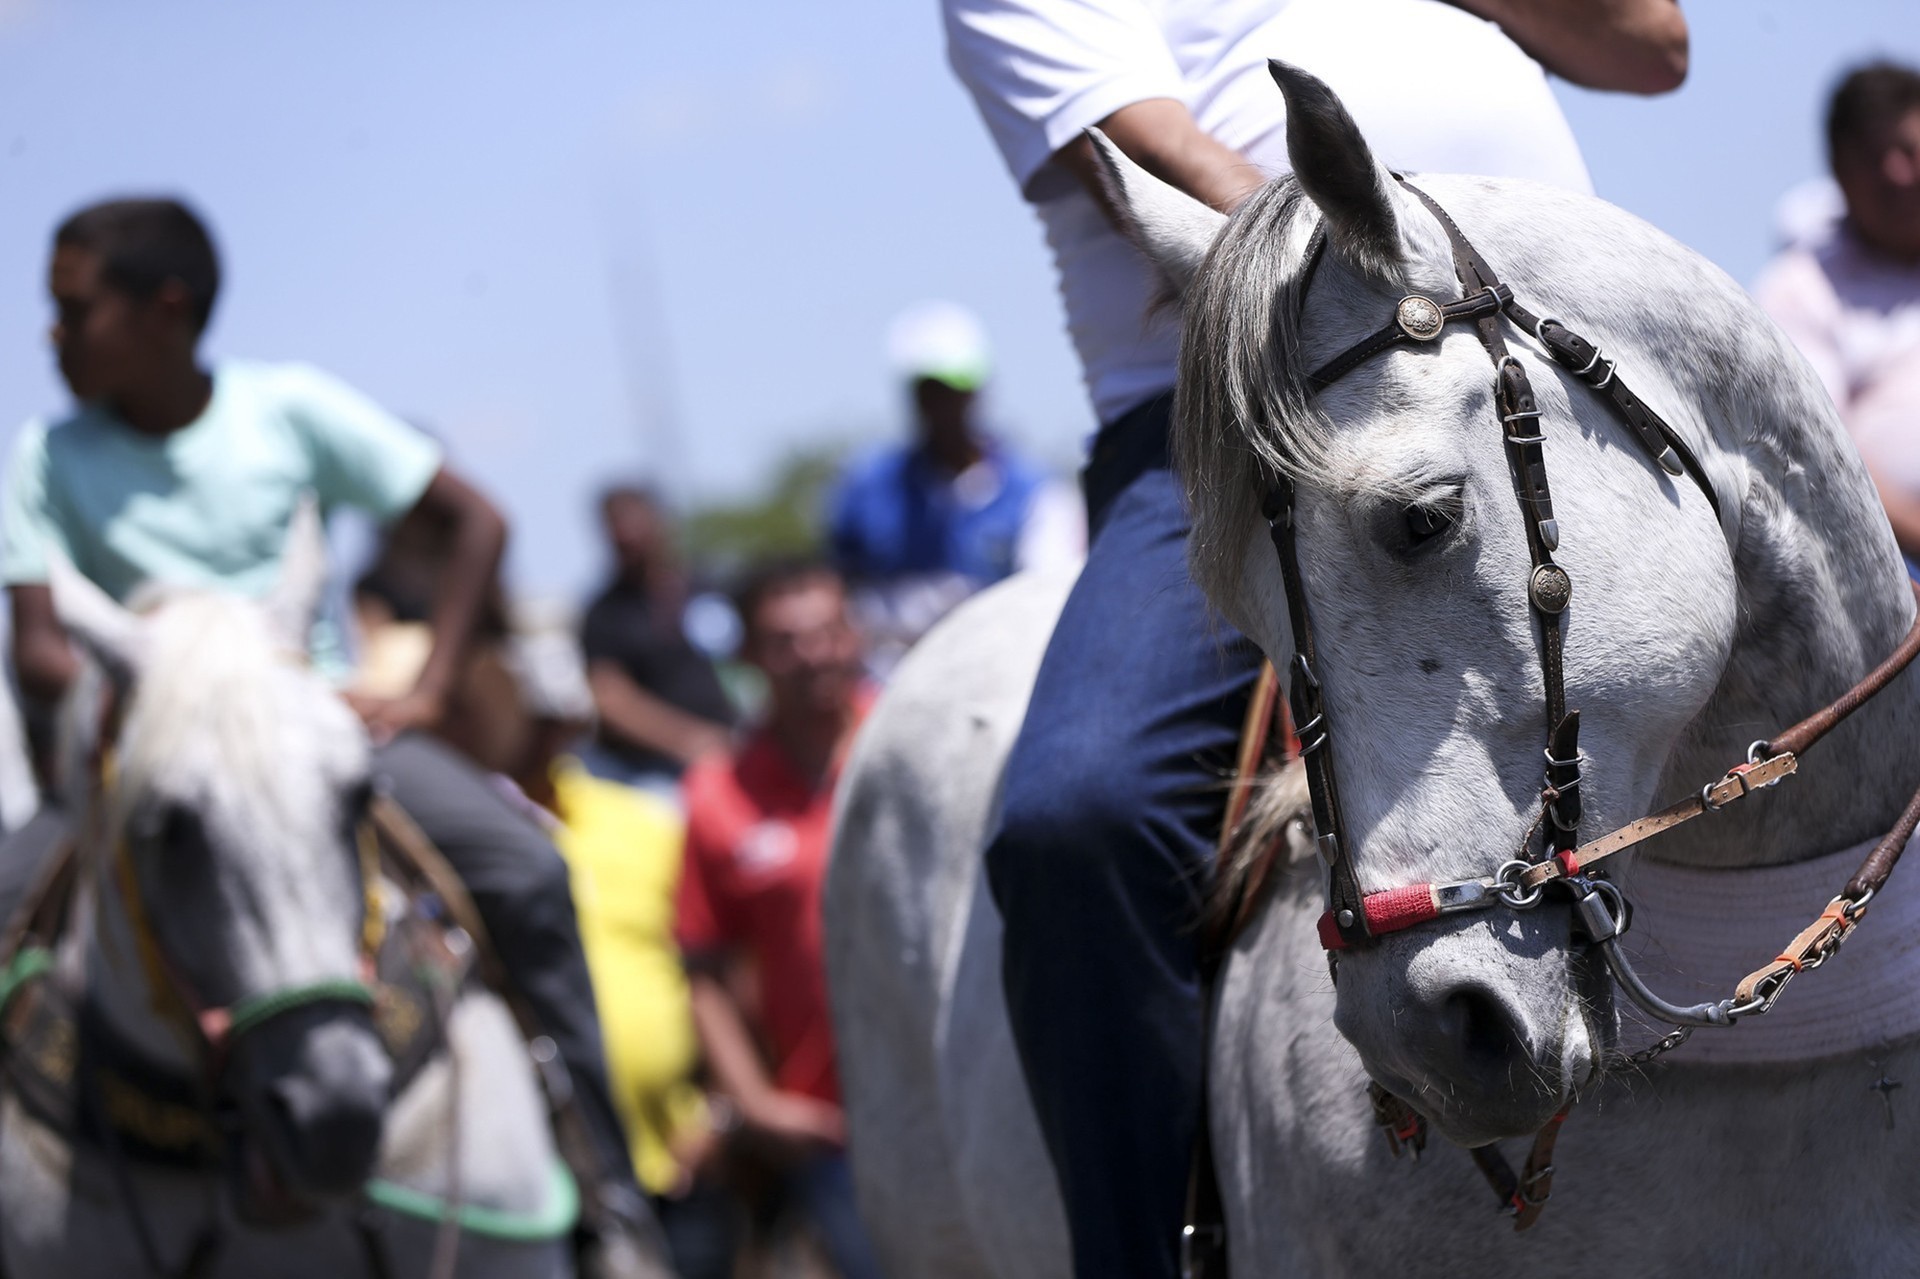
(1881, 178)
(97, 331)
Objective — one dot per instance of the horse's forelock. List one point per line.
(222, 720)
(1241, 413)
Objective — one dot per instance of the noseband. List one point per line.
(1355, 919)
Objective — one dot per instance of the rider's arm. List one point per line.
(634, 715)
(366, 458)
(741, 1075)
(43, 661)
(1161, 137)
(1633, 46)
(725, 1039)
(479, 538)
(31, 532)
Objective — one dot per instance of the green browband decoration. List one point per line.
(27, 963)
(249, 1013)
(556, 1216)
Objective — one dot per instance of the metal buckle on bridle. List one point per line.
(1523, 1191)
(1507, 886)
(1706, 792)
(1308, 747)
(1559, 791)
(1553, 810)
(1538, 437)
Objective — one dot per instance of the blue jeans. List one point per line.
(1113, 799)
(823, 1185)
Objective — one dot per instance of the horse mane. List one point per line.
(1242, 413)
(1277, 827)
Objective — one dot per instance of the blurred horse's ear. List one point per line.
(95, 620)
(295, 601)
(1172, 228)
(1369, 219)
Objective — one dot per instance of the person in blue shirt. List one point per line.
(170, 470)
(917, 527)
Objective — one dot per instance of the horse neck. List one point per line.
(1823, 597)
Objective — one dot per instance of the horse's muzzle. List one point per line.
(319, 1115)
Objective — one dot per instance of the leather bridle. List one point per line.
(1355, 919)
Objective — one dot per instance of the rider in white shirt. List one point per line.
(1079, 61)
(1112, 798)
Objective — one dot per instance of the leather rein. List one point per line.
(1355, 919)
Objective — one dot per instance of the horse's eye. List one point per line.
(1425, 523)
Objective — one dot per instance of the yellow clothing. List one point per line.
(623, 851)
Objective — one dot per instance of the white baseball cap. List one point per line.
(940, 340)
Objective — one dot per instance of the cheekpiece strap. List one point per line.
(1345, 905)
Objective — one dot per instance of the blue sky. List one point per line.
(589, 240)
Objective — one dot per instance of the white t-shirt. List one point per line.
(1434, 89)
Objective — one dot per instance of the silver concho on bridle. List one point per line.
(1419, 318)
(1550, 589)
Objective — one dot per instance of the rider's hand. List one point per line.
(388, 717)
(794, 1118)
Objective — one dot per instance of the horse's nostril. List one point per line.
(331, 1141)
(1486, 1033)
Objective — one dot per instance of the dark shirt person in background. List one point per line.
(659, 701)
(1848, 291)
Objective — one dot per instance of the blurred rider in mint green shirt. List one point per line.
(168, 471)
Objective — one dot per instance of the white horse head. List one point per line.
(237, 783)
(1687, 637)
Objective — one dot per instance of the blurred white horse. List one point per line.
(219, 857)
(1769, 1148)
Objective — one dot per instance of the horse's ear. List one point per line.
(98, 622)
(1370, 220)
(1172, 228)
(295, 601)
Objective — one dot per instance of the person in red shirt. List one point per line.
(749, 911)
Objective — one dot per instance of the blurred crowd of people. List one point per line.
(693, 804)
(680, 744)
(637, 798)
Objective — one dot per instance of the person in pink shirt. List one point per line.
(1848, 290)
